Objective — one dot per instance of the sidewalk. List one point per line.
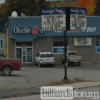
(15, 92)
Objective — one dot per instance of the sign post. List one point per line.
(65, 63)
(62, 19)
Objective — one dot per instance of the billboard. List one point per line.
(59, 50)
(78, 19)
(63, 18)
(82, 41)
(53, 19)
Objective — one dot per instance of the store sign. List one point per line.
(78, 19)
(98, 49)
(58, 50)
(53, 19)
(78, 11)
(49, 11)
(35, 30)
(89, 29)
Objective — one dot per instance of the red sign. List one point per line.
(35, 30)
(51, 11)
(24, 44)
(77, 11)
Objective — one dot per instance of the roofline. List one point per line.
(39, 16)
(93, 16)
(26, 17)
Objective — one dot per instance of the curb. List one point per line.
(19, 92)
(31, 91)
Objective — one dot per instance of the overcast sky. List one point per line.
(2, 1)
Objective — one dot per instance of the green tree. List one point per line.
(28, 7)
(43, 4)
(97, 9)
(1, 14)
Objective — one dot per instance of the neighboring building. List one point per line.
(3, 35)
(26, 39)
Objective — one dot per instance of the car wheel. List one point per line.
(39, 64)
(7, 71)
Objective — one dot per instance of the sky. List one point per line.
(2, 1)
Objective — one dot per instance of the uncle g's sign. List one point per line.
(35, 30)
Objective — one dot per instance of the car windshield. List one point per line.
(72, 53)
(46, 55)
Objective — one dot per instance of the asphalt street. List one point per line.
(33, 76)
(37, 97)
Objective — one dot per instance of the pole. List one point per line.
(65, 63)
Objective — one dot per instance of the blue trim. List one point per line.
(30, 22)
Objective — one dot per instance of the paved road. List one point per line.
(34, 76)
(37, 97)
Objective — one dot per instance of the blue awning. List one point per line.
(93, 24)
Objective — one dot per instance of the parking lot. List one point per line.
(34, 76)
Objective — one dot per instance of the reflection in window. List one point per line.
(29, 58)
(58, 47)
(60, 43)
(98, 46)
(98, 43)
(1, 44)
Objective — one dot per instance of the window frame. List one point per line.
(96, 49)
(59, 47)
(97, 46)
(0, 43)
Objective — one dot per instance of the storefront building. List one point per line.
(3, 38)
(26, 39)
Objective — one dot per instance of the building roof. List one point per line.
(3, 22)
(93, 24)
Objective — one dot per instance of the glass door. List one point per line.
(29, 57)
(25, 54)
(19, 53)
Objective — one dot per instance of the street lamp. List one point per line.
(65, 63)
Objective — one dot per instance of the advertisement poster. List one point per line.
(98, 49)
(59, 50)
(82, 41)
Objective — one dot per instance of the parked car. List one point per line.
(72, 57)
(44, 58)
(7, 65)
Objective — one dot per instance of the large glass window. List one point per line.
(46, 55)
(1, 44)
(23, 43)
(98, 46)
(60, 43)
(58, 47)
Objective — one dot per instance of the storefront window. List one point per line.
(60, 43)
(58, 47)
(98, 46)
(24, 51)
(1, 44)
(23, 43)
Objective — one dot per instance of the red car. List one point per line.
(7, 65)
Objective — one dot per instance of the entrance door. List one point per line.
(19, 53)
(29, 54)
(25, 54)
